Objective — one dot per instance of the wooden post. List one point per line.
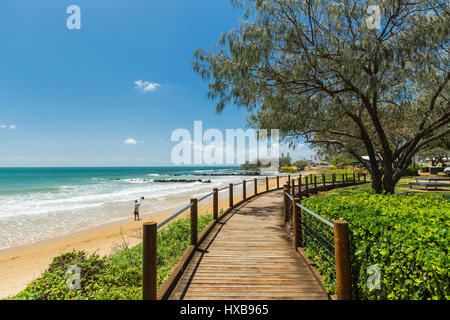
(267, 183)
(315, 183)
(346, 177)
(297, 224)
(244, 190)
(306, 183)
(256, 186)
(323, 180)
(364, 177)
(215, 203)
(342, 257)
(300, 186)
(230, 195)
(285, 199)
(278, 182)
(194, 218)
(354, 180)
(289, 178)
(343, 179)
(293, 188)
(149, 256)
(333, 179)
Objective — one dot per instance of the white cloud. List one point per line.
(131, 141)
(146, 86)
(4, 126)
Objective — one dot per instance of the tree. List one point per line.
(300, 164)
(285, 161)
(318, 70)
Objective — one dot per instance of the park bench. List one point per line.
(429, 184)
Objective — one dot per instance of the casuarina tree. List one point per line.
(362, 78)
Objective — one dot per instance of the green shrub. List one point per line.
(339, 159)
(411, 172)
(407, 237)
(100, 279)
(118, 276)
(300, 164)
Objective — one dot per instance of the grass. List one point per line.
(402, 186)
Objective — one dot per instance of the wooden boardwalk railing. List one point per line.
(245, 253)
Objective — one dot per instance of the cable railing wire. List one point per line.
(317, 237)
(318, 242)
(316, 215)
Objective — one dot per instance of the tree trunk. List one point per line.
(389, 184)
(388, 178)
(377, 184)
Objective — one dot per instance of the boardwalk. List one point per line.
(248, 255)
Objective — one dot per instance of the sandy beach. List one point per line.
(21, 265)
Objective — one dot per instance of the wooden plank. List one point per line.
(248, 255)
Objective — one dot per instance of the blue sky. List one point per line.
(70, 97)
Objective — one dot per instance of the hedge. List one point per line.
(411, 172)
(407, 237)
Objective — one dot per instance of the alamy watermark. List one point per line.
(74, 20)
(210, 147)
(73, 282)
(373, 20)
(374, 280)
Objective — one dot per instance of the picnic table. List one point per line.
(430, 182)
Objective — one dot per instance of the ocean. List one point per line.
(42, 203)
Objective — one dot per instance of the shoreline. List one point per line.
(22, 264)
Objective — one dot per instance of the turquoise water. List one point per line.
(25, 180)
(40, 203)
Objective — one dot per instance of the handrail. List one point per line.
(190, 205)
(316, 215)
(205, 196)
(174, 215)
(310, 212)
(150, 238)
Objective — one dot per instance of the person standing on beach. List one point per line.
(136, 210)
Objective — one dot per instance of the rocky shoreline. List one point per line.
(182, 180)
